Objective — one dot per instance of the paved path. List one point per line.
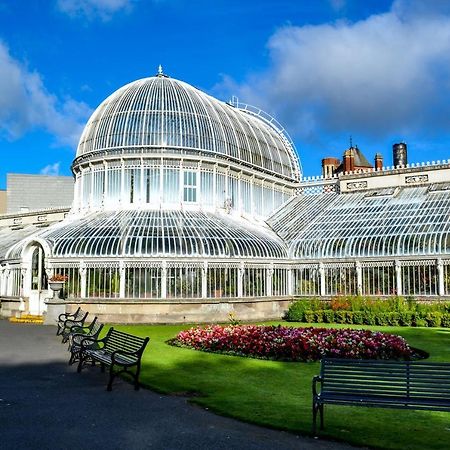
(45, 404)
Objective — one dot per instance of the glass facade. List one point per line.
(180, 196)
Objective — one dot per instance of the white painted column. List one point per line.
(164, 280)
(398, 277)
(240, 281)
(269, 277)
(359, 280)
(205, 280)
(122, 279)
(440, 271)
(83, 284)
(322, 279)
(290, 282)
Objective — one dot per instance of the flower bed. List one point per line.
(294, 344)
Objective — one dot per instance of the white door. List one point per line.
(38, 282)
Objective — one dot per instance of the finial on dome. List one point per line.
(161, 73)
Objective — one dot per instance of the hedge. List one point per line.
(394, 311)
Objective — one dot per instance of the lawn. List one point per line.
(278, 394)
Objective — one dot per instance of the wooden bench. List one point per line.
(385, 384)
(67, 320)
(116, 350)
(78, 333)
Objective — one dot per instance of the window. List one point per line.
(190, 186)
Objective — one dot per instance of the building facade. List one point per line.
(186, 208)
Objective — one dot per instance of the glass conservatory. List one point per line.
(180, 196)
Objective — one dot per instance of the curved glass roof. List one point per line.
(161, 114)
(159, 234)
(390, 222)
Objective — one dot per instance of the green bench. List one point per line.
(117, 350)
(415, 385)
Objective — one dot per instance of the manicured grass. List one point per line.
(278, 394)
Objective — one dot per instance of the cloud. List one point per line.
(51, 169)
(92, 9)
(26, 104)
(389, 73)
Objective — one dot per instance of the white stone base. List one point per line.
(180, 310)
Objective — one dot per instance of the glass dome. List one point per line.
(161, 115)
(161, 234)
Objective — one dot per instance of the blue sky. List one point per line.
(378, 70)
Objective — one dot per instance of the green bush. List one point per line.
(318, 316)
(359, 310)
(296, 311)
(434, 319)
(420, 322)
(381, 318)
(309, 316)
(405, 319)
(369, 318)
(358, 317)
(328, 316)
(340, 316)
(445, 320)
(393, 319)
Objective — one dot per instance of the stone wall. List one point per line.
(165, 312)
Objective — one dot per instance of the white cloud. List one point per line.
(26, 104)
(387, 73)
(51, 169)
(91, 9)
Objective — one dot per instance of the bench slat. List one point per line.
(385, 384)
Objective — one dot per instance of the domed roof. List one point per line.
(156, 233)
(163, 115)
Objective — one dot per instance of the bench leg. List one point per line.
(321, 416)
(314, 412)
(80, 362)
(136, 377)
(111, 378)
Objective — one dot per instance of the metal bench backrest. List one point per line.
(94, 328)
(79, 315)
(412, 380)
(118, 340)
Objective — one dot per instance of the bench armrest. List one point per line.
(316, 379)
(90, 343)
(64, 316)
(78, 328)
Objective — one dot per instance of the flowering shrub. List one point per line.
(295, 344)
(58, 277)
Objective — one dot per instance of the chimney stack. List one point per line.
(378, 161)
(349, 160)
(400, 154)
(329, 166)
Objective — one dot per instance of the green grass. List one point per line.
(278, 394)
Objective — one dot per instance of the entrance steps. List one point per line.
(28, 318)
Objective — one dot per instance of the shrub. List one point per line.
(445, 320)
(340, 303)
(328, 316)
(297, 344)
(420, 322)
(318, 316)
(405, 319)
(434, 319)
(340, 316)
(358, 317)
(393, 319)
(309, 316)
(296, 311)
